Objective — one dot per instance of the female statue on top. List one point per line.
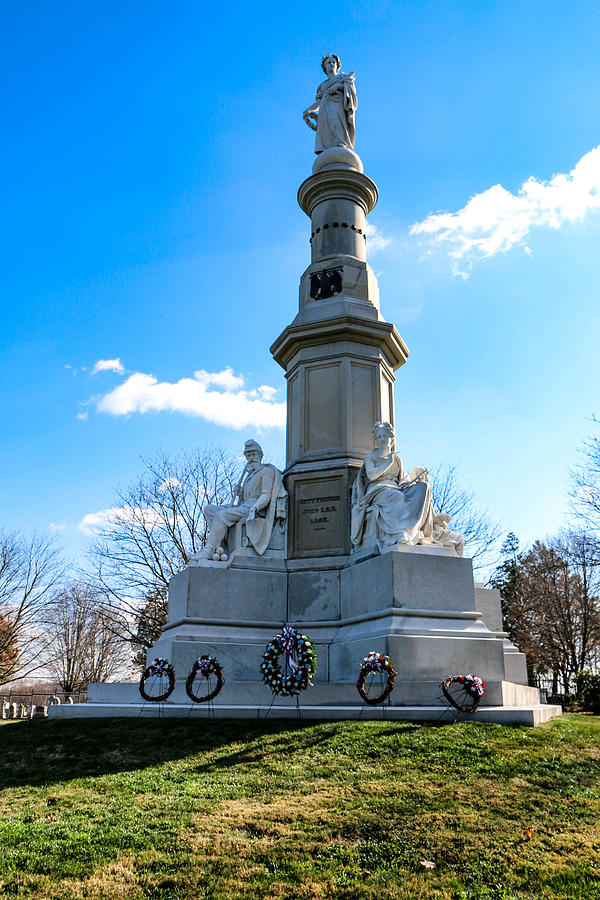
(390, 507)
(332, 113)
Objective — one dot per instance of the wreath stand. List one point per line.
(210, 672)
(384, 704)
(298, 668)
(448, 709)
(297, 696)
(373, 664)
(160, 704)
(210, 710)
(209, 705)
(458, 696)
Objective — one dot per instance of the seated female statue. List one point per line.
(388, 506)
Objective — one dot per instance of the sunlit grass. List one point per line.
(186, 809)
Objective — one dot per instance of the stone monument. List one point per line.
(258, 500)
(344, 544)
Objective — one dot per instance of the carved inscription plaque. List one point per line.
(319, 515)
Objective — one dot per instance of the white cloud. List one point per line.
(267, 392)
(57, 526)
(494, 221)
(229, 404)
(103, 519)
(108, 519)
(108, 365)
(225, 379)
(376, 241)
(169, 483)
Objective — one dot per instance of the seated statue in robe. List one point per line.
(399, 505)
(255, 503)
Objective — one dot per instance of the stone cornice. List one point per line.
(376, 333)
(331, 184)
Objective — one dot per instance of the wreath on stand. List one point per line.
(205, 666)
(159, 668)
(299, 666)
(372, 663)
(464, 691)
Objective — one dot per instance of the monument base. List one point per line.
(499, 715)
(422, 610)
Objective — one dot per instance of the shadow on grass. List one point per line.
(306, 737)
(42, 752)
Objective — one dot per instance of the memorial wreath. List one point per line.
(159, 668)
(300, 662)
(372, 663)
(470, 691)
(205, 666)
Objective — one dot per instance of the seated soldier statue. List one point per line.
(254, 503)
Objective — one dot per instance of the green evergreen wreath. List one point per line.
(300, 662)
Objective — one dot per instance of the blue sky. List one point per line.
(151, 155)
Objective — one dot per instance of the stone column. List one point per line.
(339, 356)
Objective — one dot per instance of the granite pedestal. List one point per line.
(420, 608)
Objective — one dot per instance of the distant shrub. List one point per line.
(588, 691)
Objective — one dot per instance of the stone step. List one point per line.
(502, 715)
(255, 693)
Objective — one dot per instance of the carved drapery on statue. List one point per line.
(259, 529)
(390, 507)
(400, 510)
(258, 493)
(332, 113)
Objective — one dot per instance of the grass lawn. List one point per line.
(190, 809)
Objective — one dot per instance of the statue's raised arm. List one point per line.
(332, 113)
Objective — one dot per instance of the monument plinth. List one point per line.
(345, 544)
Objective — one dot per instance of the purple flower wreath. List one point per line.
(301, 659)
(205, 666)
(372, 663)
(160, 668)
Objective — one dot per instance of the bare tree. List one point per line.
(30, 569)
(581, 552)
(480, 532)
(157, 522)
(550, 604)
(82, 642)
(585, 483)
(9, 652)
